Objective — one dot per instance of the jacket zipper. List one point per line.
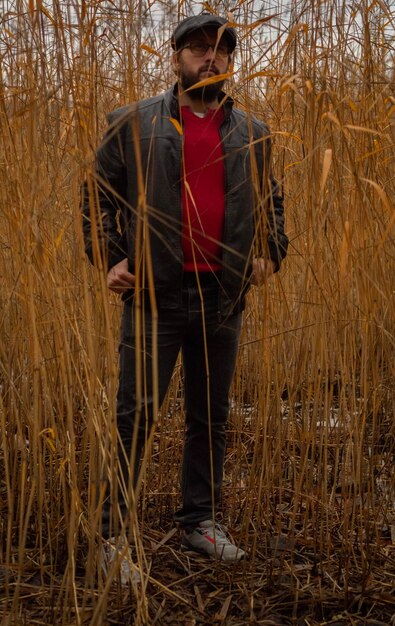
(226, 211)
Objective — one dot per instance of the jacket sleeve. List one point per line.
(271, 223)
(103, 201)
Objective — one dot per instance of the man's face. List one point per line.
(193, 63)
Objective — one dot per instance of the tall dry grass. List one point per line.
(311, 431)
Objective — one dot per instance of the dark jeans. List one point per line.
(209, 350)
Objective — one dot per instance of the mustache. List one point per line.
(209, 67)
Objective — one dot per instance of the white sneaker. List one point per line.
(119, 551)
(208, 538)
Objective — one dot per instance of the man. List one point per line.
(187, 216)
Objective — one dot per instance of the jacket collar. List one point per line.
(171, 99)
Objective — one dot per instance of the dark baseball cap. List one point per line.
(197, 22)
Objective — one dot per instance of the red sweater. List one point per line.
(203, 199)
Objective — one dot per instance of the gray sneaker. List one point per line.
(117, 550)
(210, 539)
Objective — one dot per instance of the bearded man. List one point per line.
(186, 216)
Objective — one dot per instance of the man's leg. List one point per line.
(135, 402)
(209, 363)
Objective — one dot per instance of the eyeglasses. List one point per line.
(199, 49)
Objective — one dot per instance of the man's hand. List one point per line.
(119, 279)
(261, 270)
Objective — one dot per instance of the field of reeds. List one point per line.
(309, 477)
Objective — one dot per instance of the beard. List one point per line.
(205, 94)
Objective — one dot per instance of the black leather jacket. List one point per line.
(136, 190)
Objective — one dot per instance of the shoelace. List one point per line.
(217, 531)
